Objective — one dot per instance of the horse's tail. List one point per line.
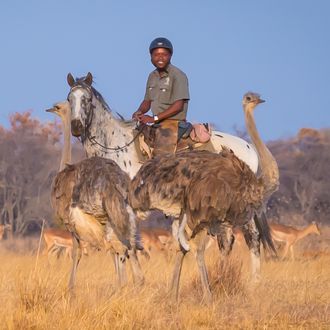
(265, 235)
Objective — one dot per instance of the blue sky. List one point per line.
(279, 49)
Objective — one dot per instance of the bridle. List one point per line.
(88, 123)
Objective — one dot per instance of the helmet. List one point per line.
(161, 43)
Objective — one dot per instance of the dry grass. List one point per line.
(291, 295)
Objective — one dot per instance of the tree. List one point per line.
(29, 157)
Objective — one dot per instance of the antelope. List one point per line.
(56, 239)
(3, 229)
(282, 233)
(291, 235)
(158, 239)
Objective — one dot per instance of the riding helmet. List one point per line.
(161, 43)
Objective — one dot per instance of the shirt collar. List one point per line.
(164, 73)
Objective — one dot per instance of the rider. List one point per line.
(167, 95)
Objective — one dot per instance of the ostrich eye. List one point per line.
(248, 98)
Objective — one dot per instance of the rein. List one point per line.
(93, 140)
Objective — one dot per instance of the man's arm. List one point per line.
(143, 108)
(175, 108)
(172, 110)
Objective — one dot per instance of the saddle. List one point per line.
(183, 136)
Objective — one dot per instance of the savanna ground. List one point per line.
(291, 294)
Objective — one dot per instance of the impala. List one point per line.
(3, 229)
(156, 239)
(282, 233)
(56, 239)
(291, 235)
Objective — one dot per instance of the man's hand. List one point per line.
(145, 119)
(136, 115)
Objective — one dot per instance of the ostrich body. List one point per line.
(90, 198)
(213, 191)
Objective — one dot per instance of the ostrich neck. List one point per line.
(66, 152)
(268, 165)
(110, 132)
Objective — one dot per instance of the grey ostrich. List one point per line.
(213, 192)
(90, 198)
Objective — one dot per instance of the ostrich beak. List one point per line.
(51, 109)
(261, 101)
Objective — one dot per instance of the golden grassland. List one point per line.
(291, 294)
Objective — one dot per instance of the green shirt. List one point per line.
(163, 90)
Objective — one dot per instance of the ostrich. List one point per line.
(63, 110)
(90, 197)
(210, 191)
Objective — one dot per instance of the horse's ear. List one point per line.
(70, 79)
(89, 79)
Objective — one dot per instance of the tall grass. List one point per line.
(291, 295)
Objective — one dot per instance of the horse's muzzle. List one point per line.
(76, 127)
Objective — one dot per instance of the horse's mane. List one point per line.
(98, 95)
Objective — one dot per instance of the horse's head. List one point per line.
(80, 98)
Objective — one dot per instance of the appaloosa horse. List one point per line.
(103, 134)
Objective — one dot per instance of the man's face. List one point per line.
(160, 58)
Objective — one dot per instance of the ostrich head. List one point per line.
(251, 100)
(62, 109)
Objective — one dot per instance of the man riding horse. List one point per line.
(167, 95)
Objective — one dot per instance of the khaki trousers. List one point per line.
(166, 137)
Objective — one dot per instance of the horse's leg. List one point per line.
(252, 239)
(76, 256)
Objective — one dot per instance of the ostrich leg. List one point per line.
(122, 274)
(76, 256)
(201, 242)
(252, 239)
(174, 291)
(138, 276)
